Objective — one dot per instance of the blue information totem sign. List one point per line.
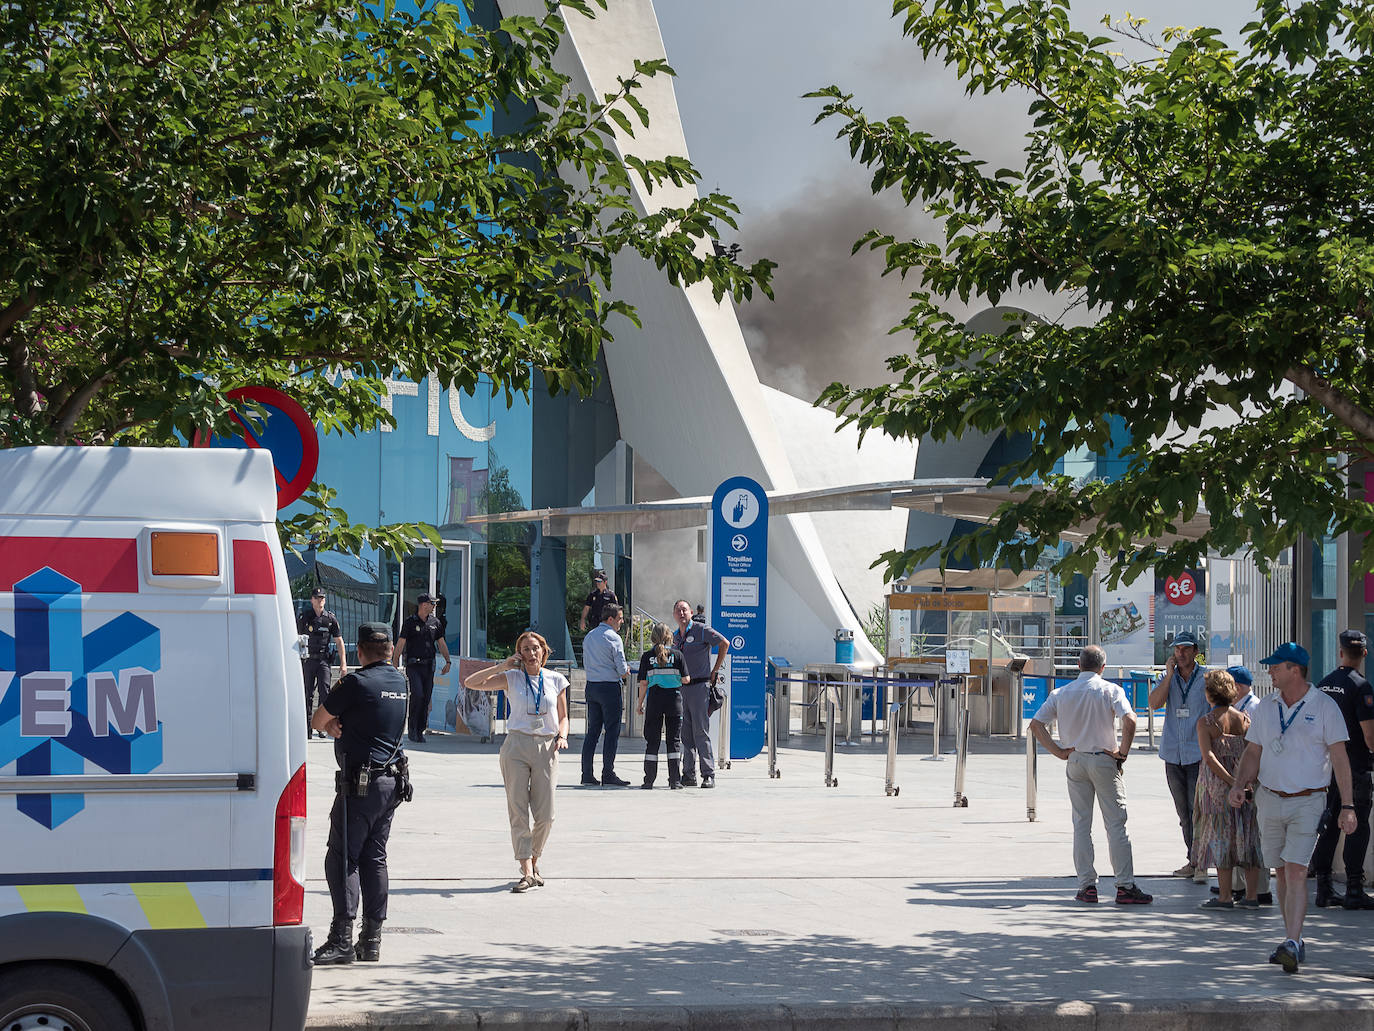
(739, 603)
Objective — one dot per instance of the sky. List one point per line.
(742, 68)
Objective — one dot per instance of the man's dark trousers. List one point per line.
(421, 677)
(369, 826)
(1355, 844)
(604, 710)
(1182, 781)
(316, 674)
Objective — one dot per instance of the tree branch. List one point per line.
(1351, 414)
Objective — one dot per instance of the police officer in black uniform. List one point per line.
(601, 595)
(420, 635)
(319, 627)
(365, 714)
(1348, 688)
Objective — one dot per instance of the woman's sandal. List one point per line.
(524, 884)
(537, 878)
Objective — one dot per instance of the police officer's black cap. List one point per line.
(374, 633)
(1354, 639)
(318, 592)
(598, 574)
(424, 599)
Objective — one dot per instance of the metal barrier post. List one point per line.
(890, 786)
(937, 690)
(770, 715)
(1032, 783)
(830, 780)
(961, 748)
(723, 759)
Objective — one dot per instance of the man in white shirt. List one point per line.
(1296, 741)
(1086, 712)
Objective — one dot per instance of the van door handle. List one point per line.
(168, 783)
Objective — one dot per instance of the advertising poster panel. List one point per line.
(1180, 603)
(1125, 623)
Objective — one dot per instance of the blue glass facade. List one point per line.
(452, 456)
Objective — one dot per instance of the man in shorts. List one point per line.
(1296, 741)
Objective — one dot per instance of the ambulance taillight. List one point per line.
(288, 859)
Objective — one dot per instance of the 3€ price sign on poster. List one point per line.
(739, 603)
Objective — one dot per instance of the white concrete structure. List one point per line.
(687, 395)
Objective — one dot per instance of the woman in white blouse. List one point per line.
(536, 732)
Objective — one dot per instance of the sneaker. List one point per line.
(1088, 894)
(1245, 903)
(1186, 870)
(611, 780)
(708, 782)
(1200, 875)
(674, 787)
(1286, 956)
(1302, 950)
(1218, 904)
(1131, 895)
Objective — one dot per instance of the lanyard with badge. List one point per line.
(1183, 710)
(1284, 724)
(534, 695)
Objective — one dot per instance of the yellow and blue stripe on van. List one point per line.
(139, 900)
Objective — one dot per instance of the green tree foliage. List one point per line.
(204, 194)
(1207, 211)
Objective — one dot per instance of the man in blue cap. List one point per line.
(1182, 696)
(1295, 743)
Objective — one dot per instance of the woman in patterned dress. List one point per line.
(1223, 837)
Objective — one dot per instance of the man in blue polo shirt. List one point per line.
(1181, 694)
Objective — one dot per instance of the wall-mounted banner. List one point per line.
(739, 603)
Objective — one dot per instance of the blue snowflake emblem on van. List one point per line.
(68, 698)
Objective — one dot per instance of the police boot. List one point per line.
(338, 947)
(675, 773)
(650, 773)
(369, 948)
(1355, 898)
(1325, 896)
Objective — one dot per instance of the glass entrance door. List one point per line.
(445, 574)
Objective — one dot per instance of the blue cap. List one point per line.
(1240, 675)
(1289, 651)
(1184, 637)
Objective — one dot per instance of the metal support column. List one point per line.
(961, 748)
(723, 757)
(830, 712)
(893, 724)
(770, 716)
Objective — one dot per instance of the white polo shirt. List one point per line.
(1086, 710)
(1298, 757)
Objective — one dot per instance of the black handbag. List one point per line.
(715, 698)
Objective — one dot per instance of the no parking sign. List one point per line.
(286, 431)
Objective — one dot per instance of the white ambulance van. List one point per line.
(152, 745)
